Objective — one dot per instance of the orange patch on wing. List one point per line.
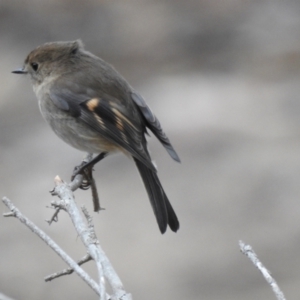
(92, 104)
(121, 117)
(119, 124)
(99, 120)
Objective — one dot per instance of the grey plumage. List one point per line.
(90, 106)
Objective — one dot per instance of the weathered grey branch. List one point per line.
(249, 252)
(89, 239)
(87, 234)
(14, 211)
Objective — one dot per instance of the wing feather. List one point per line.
(107, 117)
(154, 125)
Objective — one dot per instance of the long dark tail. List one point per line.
(163, 210)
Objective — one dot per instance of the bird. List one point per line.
(90, 106)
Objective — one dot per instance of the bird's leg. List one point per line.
(86, 169)
(79, 169)
(89, 181)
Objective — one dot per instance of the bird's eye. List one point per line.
(34, 66)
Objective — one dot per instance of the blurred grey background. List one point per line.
(223, 78)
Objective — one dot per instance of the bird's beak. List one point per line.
(20, 71)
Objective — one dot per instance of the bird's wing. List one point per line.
(107, 117)
(153, 124)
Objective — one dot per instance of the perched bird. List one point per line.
(90, 106)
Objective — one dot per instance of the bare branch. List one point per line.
(86, 233)
(16, 213)
(89, 239)
(249, 252)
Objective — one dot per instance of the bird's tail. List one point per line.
(163, 210)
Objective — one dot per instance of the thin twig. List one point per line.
(68, 271)
(54, 217)
(249, 252)
(16, 213)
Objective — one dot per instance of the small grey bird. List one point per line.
(90, 106)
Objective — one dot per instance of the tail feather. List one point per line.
(172, 218)
(163, 210)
